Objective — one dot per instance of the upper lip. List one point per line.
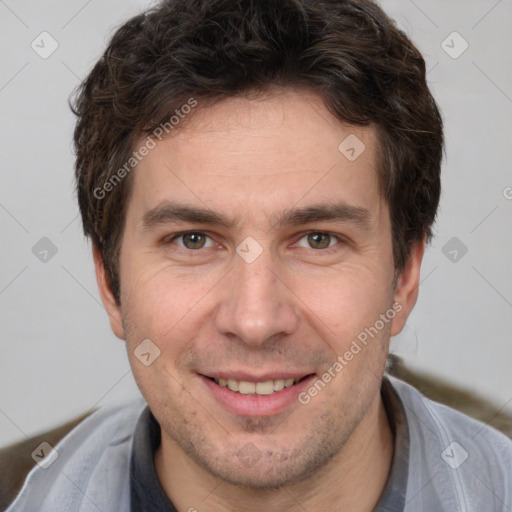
(251, 377)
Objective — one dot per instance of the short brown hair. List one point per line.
(348, 51)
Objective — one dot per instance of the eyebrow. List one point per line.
(171, 212)
(168, 212)
(341, 212)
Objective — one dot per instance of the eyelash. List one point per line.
(339, 238)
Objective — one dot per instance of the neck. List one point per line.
(352, 480)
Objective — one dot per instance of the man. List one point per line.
(259, 180)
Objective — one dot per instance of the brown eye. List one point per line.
(193, 240)
(319, 240)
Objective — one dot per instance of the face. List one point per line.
(255, 252)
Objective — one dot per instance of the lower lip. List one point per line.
(254, 405)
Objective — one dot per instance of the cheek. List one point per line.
(154, 310)
(345, 301)
(163, 306)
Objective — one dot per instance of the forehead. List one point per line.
(254, 158)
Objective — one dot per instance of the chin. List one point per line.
(266, 469)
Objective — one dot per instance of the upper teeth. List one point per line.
(259, 388)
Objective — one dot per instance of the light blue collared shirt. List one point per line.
(454, 463)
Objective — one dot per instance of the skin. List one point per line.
(295, 308)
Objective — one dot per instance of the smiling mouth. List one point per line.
(264, 388)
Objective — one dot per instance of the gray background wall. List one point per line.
(58, 355)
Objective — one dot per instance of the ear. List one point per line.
(406, 291)
(107, 297)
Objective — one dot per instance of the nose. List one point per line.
(256, 305)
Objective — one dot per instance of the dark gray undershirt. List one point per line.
(148, 495)
(393, 496)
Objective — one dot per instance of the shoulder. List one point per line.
(453, 456)
(446, 421)
(90, 464)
